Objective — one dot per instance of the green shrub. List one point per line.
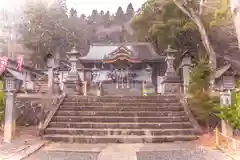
(201, 103)
(231, 113)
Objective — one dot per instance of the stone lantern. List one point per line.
(73, 82)
(10, 83)
(171, 82)
(170, 52)
(10, 110)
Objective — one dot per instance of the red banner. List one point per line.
(3, 64)
(20, 62)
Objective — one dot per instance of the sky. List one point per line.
(84, 6)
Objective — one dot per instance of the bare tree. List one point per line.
(189, 8)
(235, 7)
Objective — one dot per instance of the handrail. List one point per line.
(51, 113)
(41, 77)
(192, 119)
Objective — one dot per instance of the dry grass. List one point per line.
(207, 140)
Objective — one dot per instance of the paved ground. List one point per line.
(22, 145)
(122, 152)
(27, 142)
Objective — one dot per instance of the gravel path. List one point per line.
(50, 155)
(197, 154)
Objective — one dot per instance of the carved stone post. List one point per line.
(99, 90)
(226, 100)
(56, 84)
(159, 85)
(144, 91)
(10, 110)
(50, 78)
(73, 83)
(50, 67)
(171, 81)
(186, 66)
(84, 88)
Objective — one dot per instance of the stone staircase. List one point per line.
(150, 119)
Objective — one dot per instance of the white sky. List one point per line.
(84, 6)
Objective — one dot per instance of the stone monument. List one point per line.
(171, 82)
(73, 83)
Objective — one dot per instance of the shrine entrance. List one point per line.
(122, 74)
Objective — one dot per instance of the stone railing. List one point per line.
(33, 109)
(226, 142)
(183, 100)
(55, 104)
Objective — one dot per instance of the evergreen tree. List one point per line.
(120, 16)
(83, 17)
(94, 16)
(101, 17)
(73, 12)
(106, 17)
(101, 13)
(129, 12)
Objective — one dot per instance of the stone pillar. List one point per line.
(84, 88)
(10, 110)
(99, 90)
(186, 66)
(56, 84)
(144, 91)
(50, 78)
(226, 100)
(171, 81)
(159, 85)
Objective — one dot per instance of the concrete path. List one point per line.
(120, 152)
(22, 146)
(166, 151)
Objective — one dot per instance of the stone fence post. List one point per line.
(186, 66)
(226, 100)
(10, 110)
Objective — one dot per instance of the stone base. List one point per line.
(171, 88)
(73, 87)
(56, 88)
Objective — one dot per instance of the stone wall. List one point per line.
(29, 110)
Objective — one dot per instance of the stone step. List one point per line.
(159, 97)
(114, 125)
(124, 100)
(116, 109)
(102, 132)
(120, 113)
(118, 138)
(106, 104)
(125, 108)
(119, 119)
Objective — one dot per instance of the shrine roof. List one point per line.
(144, 51)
